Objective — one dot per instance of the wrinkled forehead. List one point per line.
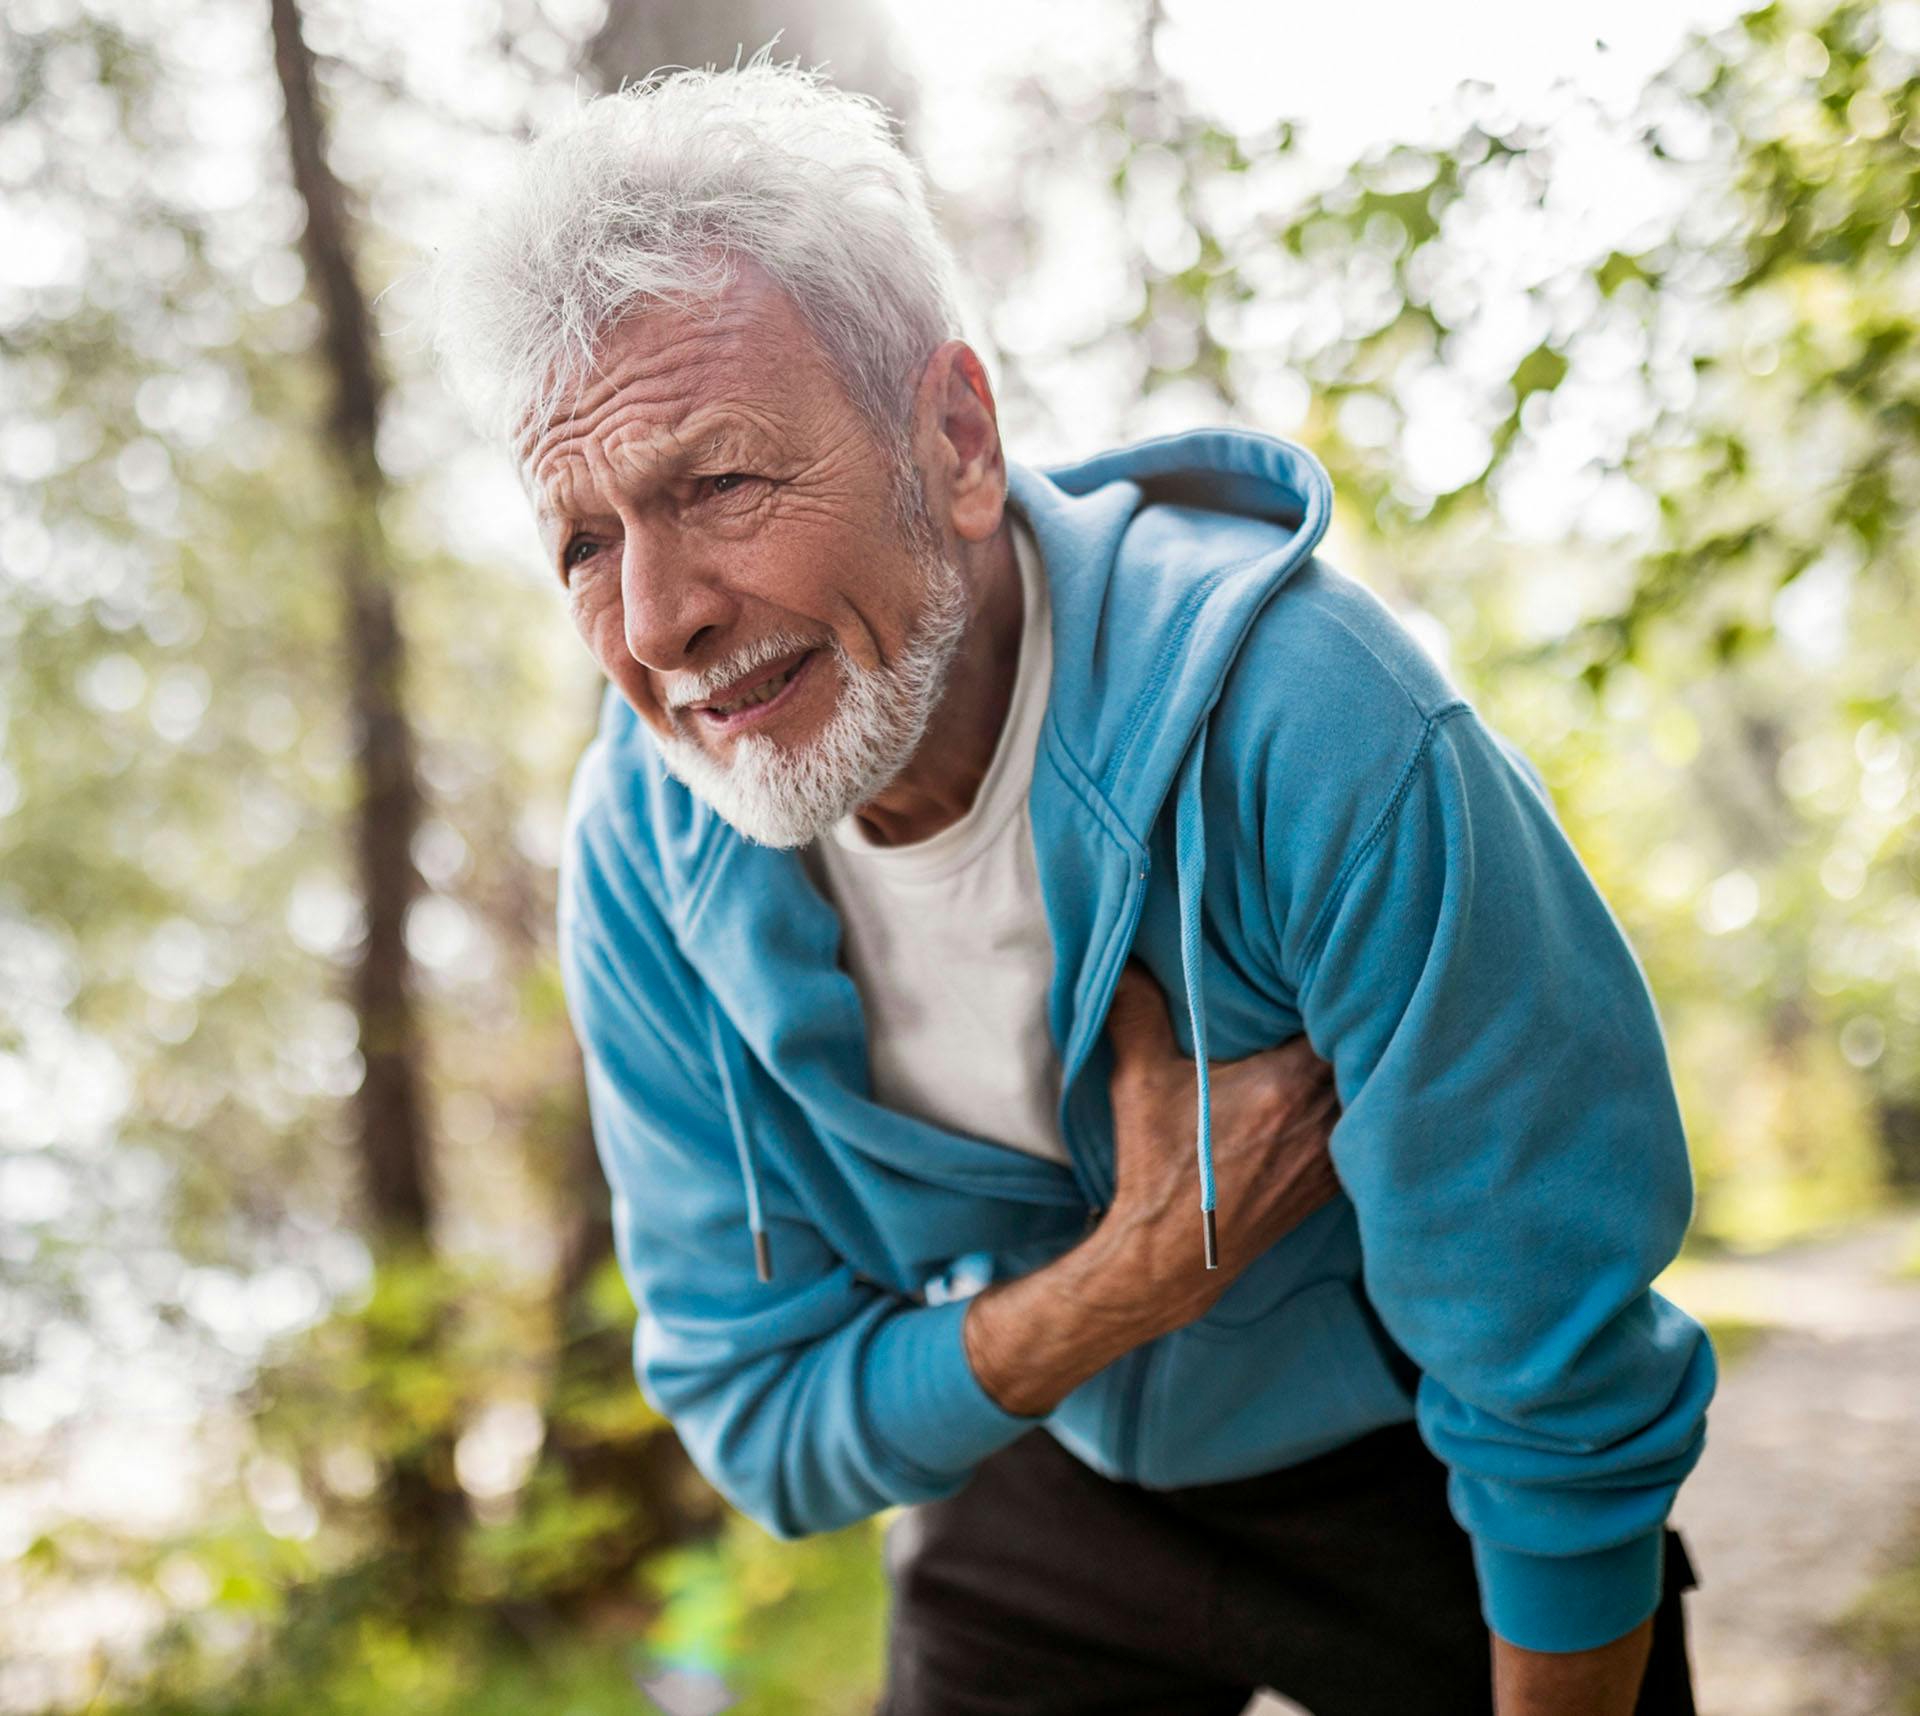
(672, 384)
(648, 380)
(567, 472)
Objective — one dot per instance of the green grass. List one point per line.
(1884, 1623)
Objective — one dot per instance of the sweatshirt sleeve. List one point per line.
(1513, 1150)
(810, 1401)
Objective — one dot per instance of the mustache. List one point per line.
(705, 682)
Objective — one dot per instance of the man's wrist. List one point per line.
(1601, 1682)
(1033, 1340)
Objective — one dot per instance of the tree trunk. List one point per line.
(390, 1131)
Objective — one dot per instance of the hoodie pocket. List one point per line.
(1228, 1399)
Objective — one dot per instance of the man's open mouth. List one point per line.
(747, 706)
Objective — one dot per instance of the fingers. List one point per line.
(1137, 1021)
(1263, 1207)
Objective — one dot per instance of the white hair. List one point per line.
(650, 195)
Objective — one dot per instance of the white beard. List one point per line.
(787, 796)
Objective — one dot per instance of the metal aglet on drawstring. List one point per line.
(763, 1256)
(1213, 1240)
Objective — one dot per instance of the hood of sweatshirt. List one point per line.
(1158, 556)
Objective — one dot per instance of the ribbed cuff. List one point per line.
(1570, 1602)
(926, 1405)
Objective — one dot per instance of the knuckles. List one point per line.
(1258, 1100)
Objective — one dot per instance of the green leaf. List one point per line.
(1540, 371)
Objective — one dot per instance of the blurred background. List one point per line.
(314, 1382)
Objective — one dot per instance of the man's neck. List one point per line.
(939, 786)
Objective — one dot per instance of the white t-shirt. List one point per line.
(946, 938)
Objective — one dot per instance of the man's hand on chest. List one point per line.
(1140, 1273)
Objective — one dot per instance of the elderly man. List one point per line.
(924, 777)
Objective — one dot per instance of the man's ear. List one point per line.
(960, 431)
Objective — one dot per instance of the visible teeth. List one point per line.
(771, 689)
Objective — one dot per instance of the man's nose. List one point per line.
(668, 600)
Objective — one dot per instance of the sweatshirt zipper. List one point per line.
(1096, 1187)
(1127, 1430)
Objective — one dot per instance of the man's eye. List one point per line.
(577, 552)
(726, 482)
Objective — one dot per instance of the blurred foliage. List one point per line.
(790, 1627)
(1885, 1624)
(1733, 1338)
(777, 1629)
(1645, 483)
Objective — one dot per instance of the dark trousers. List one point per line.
(1043, 1589)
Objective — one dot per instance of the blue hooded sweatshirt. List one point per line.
(1251, 778)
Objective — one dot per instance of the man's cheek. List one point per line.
(602, 629)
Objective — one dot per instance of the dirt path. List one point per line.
(1811, 1478)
